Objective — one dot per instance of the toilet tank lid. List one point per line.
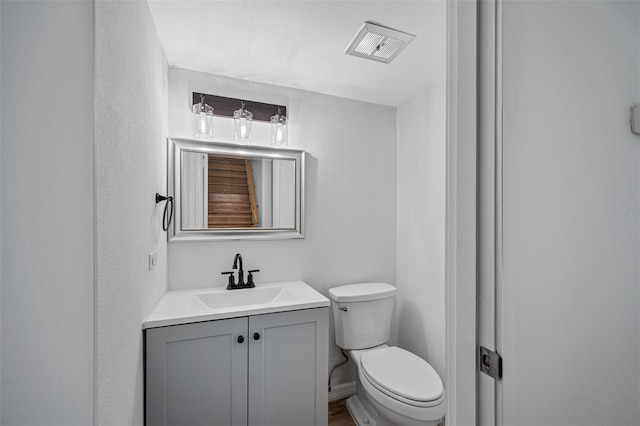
(361, 292)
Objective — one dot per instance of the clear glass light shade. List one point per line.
(202, 120)
(279, 130)
(242, 124)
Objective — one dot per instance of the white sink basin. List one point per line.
(188, 306)
(245, 297)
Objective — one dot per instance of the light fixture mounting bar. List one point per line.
(224, 107)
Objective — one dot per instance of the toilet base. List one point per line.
(360, 415)
(364, 414)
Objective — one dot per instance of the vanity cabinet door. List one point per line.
(288, 368)
(196, 374)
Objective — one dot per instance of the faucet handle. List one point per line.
(250, 277)
(232, 281)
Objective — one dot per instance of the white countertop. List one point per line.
(205, 304)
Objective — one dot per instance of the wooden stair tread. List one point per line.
(228, 220)
(232, 225)
(232, 211)
(228, 198)
(220, 218)
(228, 189)
(228, 182)
(243, 206)
(227, 174)
(220, 159)
(231, 181)
(228, 169)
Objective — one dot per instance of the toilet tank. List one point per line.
(362, 314)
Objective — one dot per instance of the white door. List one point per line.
(195, 190)
(567, 230)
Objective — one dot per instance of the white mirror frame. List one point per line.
(176, 233)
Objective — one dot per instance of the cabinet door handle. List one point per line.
(240, 339)
(256, 336)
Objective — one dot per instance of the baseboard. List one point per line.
(341, 391)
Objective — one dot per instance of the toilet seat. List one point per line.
(403, 376)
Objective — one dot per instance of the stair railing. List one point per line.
(252, 192)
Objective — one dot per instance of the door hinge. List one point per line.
(490, 363)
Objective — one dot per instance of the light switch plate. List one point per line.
(153, 259)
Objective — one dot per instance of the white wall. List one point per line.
(131, 129)
(421, 187)
(351, 191)
(47, 213)
(421, 160)
(0, 213)
(571, 228)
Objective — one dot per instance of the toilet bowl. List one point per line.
(393, 385)
(402, 387)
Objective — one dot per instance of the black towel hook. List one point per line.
(166, 218)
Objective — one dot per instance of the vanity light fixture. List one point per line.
(378, 43)
(242, 119)
(279, 129)
(220, 106)
(203, 119)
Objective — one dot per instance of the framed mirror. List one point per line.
(231, 191)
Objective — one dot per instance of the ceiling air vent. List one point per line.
(378, 42)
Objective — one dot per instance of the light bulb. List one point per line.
(279, 129)
(203, 124)
(202, 120)
(242, 124)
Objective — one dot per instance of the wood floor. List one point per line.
(338, 414)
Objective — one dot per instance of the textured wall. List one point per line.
(421, 224)
(131, 117)
(47, 213)
(350, 200)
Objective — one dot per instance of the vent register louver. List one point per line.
(378, 43)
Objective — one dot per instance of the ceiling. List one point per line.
(301, 43)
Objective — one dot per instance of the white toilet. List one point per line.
(393, 386)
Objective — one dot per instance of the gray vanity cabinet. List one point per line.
(196, 374)
(260, 370)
